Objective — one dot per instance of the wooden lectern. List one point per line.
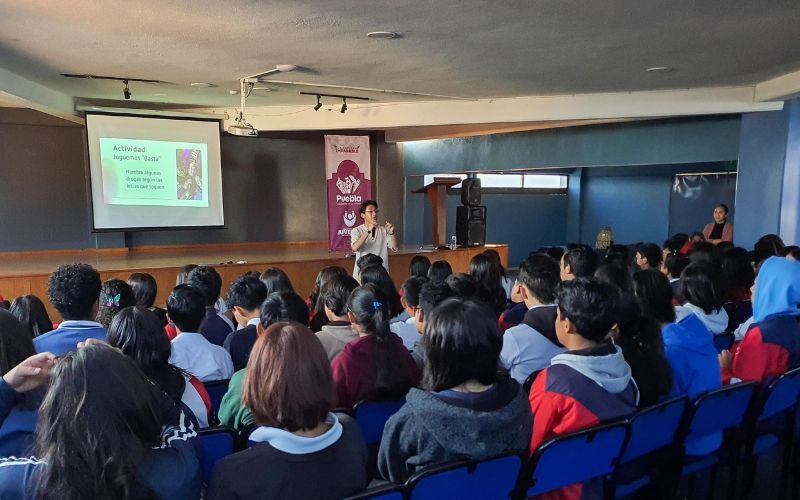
(437, 193)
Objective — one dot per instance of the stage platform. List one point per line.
(23, 273)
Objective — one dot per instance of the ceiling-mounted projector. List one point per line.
(246, 130)
(242, 127)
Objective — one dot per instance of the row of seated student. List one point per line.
(594, 342)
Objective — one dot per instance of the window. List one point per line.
(550, 183)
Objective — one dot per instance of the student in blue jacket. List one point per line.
(688, 345)
(99, 435)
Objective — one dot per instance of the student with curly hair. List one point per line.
(74, 291)
(114, 296)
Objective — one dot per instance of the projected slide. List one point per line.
(154, 173)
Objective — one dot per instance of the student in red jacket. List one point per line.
(589, 384)
(771, 345)
(377, 365)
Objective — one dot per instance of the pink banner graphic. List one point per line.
(347, 170)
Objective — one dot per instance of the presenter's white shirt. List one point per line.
(377, 245)
(206, 361)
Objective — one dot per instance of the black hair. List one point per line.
(208, 281)
(790, 250)
(276, 280)
(642, 345)
(369, 307)
(366, 204)
(283, 306)
(463, 285)
(16, 345)
(183, 274)
(144, 288)
(379, 276)
(679, 240)
(186, 308)
(369, 259)
(439, 271)
(431, 295)
(724, 207)
(736, 272)
(654, 294)
(767, 246)
(462, 342)
(336, 292)
(698, 234)
(540, 274)
(30, 311)
(96, 423)
(614, 275)
(411, 289)
(698, 288)
(705, 253)
(247, 292)
(483, 268)
(651, 253)
(73, 289)
(581, 259)
(318, 318)
(139, 334)
(419, 266)
(619, 255)
(114, 296)
(675, 264)
(592, 307)
(496, 259)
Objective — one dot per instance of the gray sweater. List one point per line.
(434, 428)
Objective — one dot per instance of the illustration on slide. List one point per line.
(189, 163)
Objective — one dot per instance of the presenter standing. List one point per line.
(371, 238)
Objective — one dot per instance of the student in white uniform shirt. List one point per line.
(191, 351)
(529, 346)
(407, 330)
(371, 238)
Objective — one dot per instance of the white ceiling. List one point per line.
(455, 47)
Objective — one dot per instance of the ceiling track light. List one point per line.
(344, 99)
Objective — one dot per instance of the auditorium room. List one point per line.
(399, 250)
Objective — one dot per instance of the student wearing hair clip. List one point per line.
(376, 366)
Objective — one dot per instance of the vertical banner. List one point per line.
(347, 173)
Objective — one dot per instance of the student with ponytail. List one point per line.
(377, 365)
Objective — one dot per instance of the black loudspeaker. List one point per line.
(471, 191)
(471, 226)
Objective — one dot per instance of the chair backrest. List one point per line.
(723, 341)
(720, 409)
(575, 458)
(654, 428)
(215, 443)
(494, 477)
(388, 492)
(372, 416)
(781, 394)
(216, 390)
